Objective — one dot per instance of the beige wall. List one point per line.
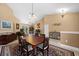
(70, 39)
(7, 14)
(52, 20)
(70, 23)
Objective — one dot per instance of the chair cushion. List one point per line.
(41, 46)
(29, 48)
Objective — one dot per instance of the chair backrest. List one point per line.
(46, 43)
(42, 34)
(36, 34)
(22, 41)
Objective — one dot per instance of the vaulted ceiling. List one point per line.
(22, 10)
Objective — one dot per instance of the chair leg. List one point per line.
(37, 51)
(27, 53)
(43, 52)
(47, 51)
(20, 49)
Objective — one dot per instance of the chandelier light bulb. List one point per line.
(32, 15)
(62, 11)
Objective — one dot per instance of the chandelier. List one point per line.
(32, 15)
(63, 11)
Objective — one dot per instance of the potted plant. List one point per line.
(31, 30)
(37, 32)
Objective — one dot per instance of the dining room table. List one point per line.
(34, 41)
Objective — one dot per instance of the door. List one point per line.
(46, 30)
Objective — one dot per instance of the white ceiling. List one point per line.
(22, 10)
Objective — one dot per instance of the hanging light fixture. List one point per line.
(63, 11)
(32, 15)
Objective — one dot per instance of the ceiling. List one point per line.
(22, 10)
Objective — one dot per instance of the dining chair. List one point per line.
(24, 47)
(42, 35)
(44, 46)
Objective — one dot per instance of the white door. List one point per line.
(46, 30)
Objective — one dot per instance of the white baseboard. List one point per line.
(69, 32)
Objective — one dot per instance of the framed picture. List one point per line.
(6, 24)
(38, 25)
(17, 26)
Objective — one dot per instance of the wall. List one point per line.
(7, 14)
(69, 23)
(70, 39)
(70, 29)
(52, 20)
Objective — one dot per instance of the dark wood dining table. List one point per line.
(34, 41)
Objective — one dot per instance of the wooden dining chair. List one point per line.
(42, 35)
(24, 47)
(44, 46)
